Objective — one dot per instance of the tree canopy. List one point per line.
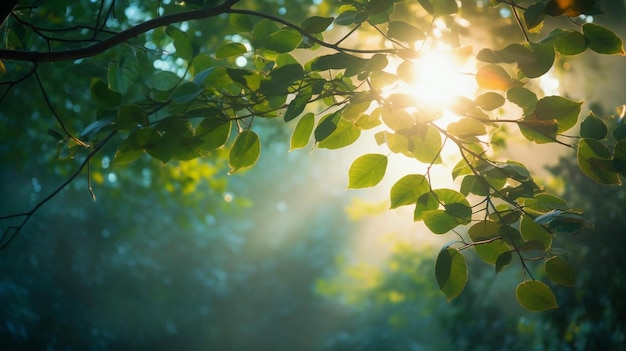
(180, 81)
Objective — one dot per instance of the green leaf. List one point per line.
(104, 97)
(540, 60)
(129, 117)
(241, 23)
(426, 144)
(173, 138)
(164, 80)
(523, 98)
(343, 135)
(619, 132)
(408, 189)
(451, 272)
(475, 185)
(397, 119)
(560, 271)
(445, 7)
(595, 161)
(284, 40)
(489, 252)
(539, 131)
(245, 151)
(457, 211)
(489, 101)
(593, 128)
(532, 231)
(123, 74)
(302, 132)
(514, 170)
(567, 42)
(132, 147)
(297, 105)
(564, 222)
(428, 6)
(619, 157)
(347, 18)
(327, 125)
(339, 60)
(426, 202)
(404, 32)
(185, 93)
(563, 110)
(182, 42)
(316, 24)
(503, 261)
(213, 131)
(367, 171)
(466, 128)
(533, 16)
(535, 296)
(230, 49)
(602, 40)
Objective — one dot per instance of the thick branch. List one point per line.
(66, 55)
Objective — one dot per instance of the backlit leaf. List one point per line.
(489, 101)
(494, 77)
(490, 251)
(367, 171)
(245, 151)
(123, 74)
(404, 32)
(445, 7)
(602, 40)
(593, 128)
(213, 131)
(182, 42)
(523, 98)
(186, 92)
(230, 49)
(302, 132)
(466, 128)
(595, 161)
(408, 189)
(560, 271)
(563, 110)
(104, 97)
(316, 24)
(451, 272)
(535, 296)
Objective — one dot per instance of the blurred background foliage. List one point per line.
(183, 256)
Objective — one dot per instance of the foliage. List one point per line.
(211, 95)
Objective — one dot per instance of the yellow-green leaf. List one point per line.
(367, 171)
(602, 40)
(408, 189)
(560, 271)
(451, 272)
(535, 296)
(245, 151)
(302, 132)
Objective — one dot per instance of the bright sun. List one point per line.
(439, 78)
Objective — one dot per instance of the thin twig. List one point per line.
(58, 118)
(7, 236)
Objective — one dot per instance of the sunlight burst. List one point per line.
(439, 78)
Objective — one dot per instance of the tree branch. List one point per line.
(67, 55)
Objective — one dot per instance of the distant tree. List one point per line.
(155, 79)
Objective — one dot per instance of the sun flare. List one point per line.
(439, 78)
